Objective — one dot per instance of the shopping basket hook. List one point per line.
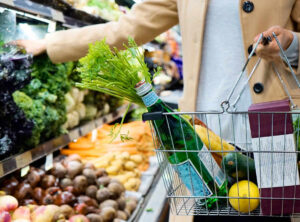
(225, 103)
(286, 59)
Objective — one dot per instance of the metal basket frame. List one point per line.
(180, 199)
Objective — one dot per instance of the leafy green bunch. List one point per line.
(114, 72)
(43, 99)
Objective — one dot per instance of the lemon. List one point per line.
(242, 191)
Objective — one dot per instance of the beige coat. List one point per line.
(152, 17)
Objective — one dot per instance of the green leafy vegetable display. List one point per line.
(14, 75)
(114, 72)
(43, 99)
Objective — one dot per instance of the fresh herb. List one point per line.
(114, 72)
(125, 137)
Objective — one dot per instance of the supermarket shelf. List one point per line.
(19, 161)
(47, 12)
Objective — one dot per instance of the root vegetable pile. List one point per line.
(71, 190)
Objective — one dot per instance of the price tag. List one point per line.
(57, 15)
(94, 135)
(23, 159)
(49, 162)
(51, 26)
(8, 2)
(25, 170)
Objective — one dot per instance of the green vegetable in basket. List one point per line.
(239, 166)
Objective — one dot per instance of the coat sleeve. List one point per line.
(144, 22)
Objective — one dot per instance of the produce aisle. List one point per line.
(101, 139)
(57, 161)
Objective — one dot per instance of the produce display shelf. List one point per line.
(47, 12)
(155, 204)
(21, 160)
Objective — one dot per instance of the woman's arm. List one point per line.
(144, 22)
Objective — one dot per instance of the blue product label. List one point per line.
(150, 99)
(192, 179)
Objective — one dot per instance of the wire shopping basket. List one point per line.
(229, 162)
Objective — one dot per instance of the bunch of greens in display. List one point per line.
(114, 72)
(14, 75)
(43, 99)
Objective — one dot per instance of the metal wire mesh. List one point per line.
(279, 200)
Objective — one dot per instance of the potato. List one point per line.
(102, 164)
(103, 194)
(72, 158)
(108, 214)
(110, 203)
(116, 189)
(94, 218)
(132, 198)
(103, 181)
(135, 182)
(121, 178)
(67, 211)
(90, 176)
(121, 215)
(74, 168)
(137, 158)
(130, 206)
(129, 174)
(65, 183)
(80, 184)
(59, 170)
(137, 173)
(125, 155)
(89, 165)
(91, 191)
(121, 203)
(132, 184)
(101, 172)
(113, 170)
(130, 165)
(48, 181)
(115, 180)
(126, 211)
(118, 163)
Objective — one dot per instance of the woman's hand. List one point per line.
(271, 50)
(35, 47)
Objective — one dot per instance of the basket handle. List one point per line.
(284, 58)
